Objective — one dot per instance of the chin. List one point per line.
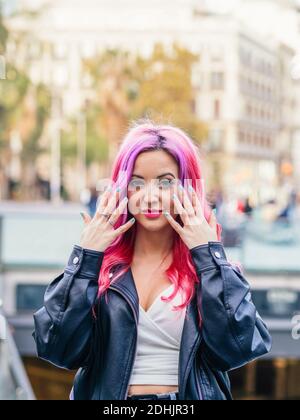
(153, 225)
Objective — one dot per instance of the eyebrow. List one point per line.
(159, 176)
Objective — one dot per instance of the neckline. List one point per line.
(158, 296)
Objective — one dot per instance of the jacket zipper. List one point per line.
(135, 348)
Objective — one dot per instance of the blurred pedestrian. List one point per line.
(248, 209)
(92, 204)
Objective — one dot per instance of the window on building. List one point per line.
(269, 142)
(242, 137)
(216, 137)
(34, 50)
(29, 297)
(217, 109)
(60, 51)
(217, 81)
(249, 111)
(197, 78)
(216, 53)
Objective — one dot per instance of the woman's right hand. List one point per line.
(99, 232)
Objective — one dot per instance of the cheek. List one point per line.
(133, 202)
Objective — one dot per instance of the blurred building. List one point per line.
(237, 95)
(280, 20)
(243, 84)
(289, 124)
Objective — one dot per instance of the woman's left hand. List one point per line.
(196, 230)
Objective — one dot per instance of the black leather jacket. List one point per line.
(103, 348)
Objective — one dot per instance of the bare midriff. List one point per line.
(151, 389)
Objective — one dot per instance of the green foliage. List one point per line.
(12, 93)
(158, 87)
(96, 144)
(165, 89)
(3, 32)
(31, 147)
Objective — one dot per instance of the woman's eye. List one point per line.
(166, 183)
(135, 184)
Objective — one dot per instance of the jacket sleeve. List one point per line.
(63, 326)
(233, 331)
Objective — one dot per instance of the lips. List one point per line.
(152, 214)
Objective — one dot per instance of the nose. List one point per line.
(151, 195)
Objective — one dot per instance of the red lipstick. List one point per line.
(152, 214)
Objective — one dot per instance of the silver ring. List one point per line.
(105, 215)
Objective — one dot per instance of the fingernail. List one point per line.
(132, 220)
(166, 213)
(191, 189)
(82, 214)
(118, 189)
(126, 200)
(174, 196)
(180, 187)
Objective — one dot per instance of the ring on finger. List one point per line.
(105, 215)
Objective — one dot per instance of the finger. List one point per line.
(119, 210)
(104, 200)
(124, 227)
(185, 201)
(86, 217)
(196, 203)
(111, 203)
(213, 221)
(177, 227)
(180, 209)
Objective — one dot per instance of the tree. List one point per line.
(96, 142)
(165, 89)
(24, 108)
(3, 32)
(114, 82)
(128, 86)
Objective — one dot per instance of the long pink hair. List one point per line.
(145, 136)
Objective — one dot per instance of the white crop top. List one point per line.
(158, 342)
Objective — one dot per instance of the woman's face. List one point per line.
(151, 187)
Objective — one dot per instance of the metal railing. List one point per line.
(14, 383)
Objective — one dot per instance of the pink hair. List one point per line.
(144, 136)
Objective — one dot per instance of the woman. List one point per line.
(109, 314)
